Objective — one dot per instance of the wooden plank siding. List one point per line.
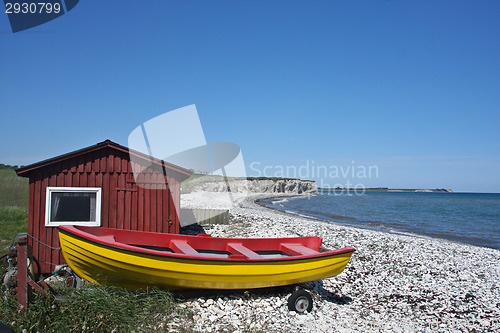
(145, 206)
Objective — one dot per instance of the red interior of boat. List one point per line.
(205, 245)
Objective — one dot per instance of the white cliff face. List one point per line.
(292, 186)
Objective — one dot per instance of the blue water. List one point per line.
(472, 218)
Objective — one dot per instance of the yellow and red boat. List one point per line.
(138, 260)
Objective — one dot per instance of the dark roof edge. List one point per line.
(104, 144)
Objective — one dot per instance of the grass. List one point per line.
(14, 196)
(14, 190)
(96, 308)
(13, 220)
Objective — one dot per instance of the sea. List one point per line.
(472, 218)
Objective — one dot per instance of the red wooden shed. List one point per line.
(96, 186)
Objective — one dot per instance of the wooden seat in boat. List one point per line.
(297, 249)
(240, 249)
(182, 246)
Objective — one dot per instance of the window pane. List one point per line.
(73, 206)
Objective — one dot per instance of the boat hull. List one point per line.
(105, 264)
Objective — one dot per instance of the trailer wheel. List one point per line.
(300, 301)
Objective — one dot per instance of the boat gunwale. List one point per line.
(172, 255)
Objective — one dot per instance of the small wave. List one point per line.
(280, 201)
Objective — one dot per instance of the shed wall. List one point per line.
(124, 204)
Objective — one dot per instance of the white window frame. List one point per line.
(48, 213)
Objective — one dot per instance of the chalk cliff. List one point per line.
(242, 185)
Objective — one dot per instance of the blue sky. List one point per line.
(411, 87)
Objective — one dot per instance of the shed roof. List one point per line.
(173, 170)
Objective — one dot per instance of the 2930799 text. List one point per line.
(32, 8)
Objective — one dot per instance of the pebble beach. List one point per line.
(394, 282)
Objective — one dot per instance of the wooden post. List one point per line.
(22, 270)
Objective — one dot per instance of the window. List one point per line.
(73, 205)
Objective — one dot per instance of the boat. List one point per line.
(140, 260)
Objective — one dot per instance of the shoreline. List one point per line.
(393, 282)
(261, 203)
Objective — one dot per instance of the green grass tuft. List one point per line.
(14, 190)
(96, 308)
(13, 220)
(14, 196)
